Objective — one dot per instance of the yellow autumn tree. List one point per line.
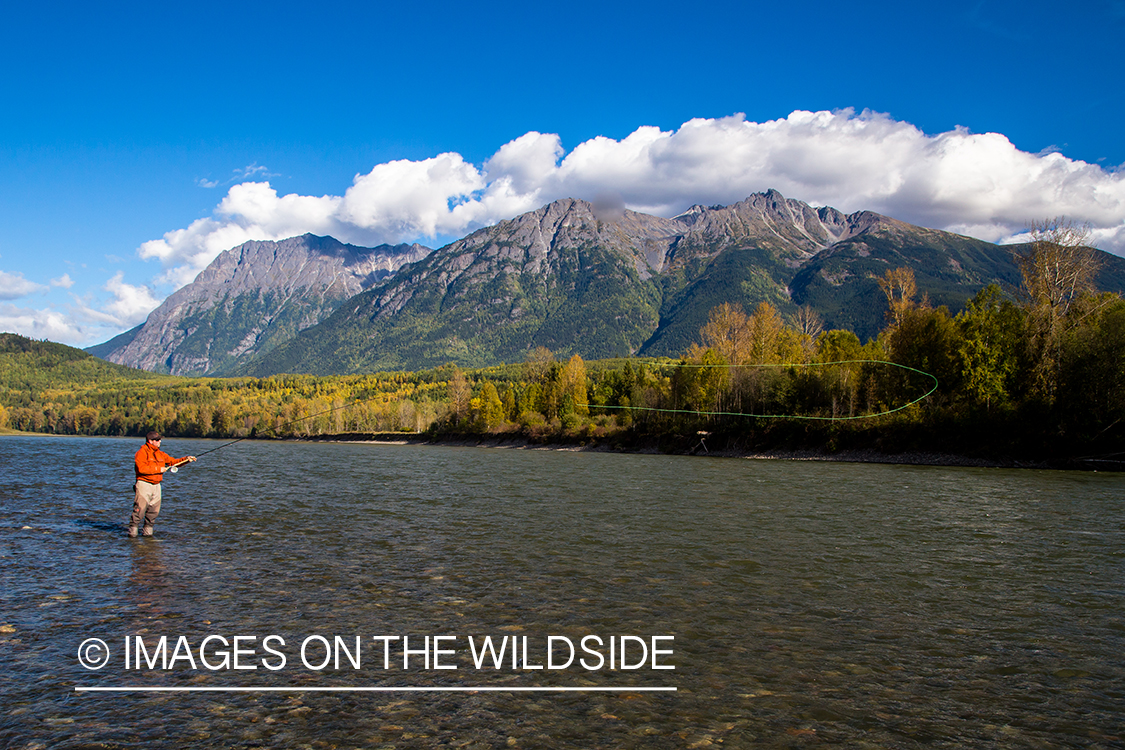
(459, 394)
(491, 408)
(899, 286)
(766, 331)
(728, 333)
(572, 383)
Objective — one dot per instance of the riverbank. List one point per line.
(707, 445)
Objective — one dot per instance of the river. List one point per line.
(800, 603)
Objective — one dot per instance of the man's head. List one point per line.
(153, 437)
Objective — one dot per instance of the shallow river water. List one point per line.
(801, 604)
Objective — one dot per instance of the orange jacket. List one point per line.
(148, 462)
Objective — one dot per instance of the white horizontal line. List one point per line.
(291, 689)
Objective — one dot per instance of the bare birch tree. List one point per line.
(1057, 269)
(899, 286)
(1057, 266)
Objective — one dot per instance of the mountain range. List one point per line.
(569, 276)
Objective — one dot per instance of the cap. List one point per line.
(154, 435)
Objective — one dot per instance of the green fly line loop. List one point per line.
(680, 411)
(921, 398)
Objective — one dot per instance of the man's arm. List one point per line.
(171, 460)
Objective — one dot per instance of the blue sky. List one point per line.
(128, 123)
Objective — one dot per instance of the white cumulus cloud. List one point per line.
(14, 286)
(131, 304)
(978, 184)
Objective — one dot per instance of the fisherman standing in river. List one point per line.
(150, 464)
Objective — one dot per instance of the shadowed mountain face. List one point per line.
(577, 281)
(250, 299)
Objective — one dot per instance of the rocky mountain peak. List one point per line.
(253, 296)
(791, 231)
(535, 240)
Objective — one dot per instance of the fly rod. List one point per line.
(175, 467)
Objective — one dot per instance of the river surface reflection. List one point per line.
(810, 603)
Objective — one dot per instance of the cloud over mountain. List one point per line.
(975, 184)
